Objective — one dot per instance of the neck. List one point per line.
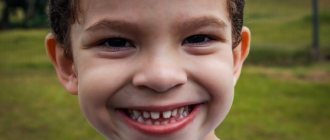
(212, 136)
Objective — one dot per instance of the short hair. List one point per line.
(64, 13)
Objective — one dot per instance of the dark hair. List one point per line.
(236, 12)
(64, 13)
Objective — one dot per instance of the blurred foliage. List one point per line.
(282, 31)
(23, 14)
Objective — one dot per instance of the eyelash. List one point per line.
(197, 40)
(117, 44)
(120, 44)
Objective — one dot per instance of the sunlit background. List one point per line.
(283, 94)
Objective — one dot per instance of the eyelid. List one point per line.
(211, 39)
(117, 38)
(96, 39)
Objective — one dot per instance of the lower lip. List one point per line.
(162, 129)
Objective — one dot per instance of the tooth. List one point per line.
(164, 122)
(172, 121)
(186, 109)
(140, 119)
(131, 115)
(181, 110)
(148, 122)
(156, 123)
(174, 112)
(146, 115)
(185, 113)
(181, 116)
(154, 115)
(136, 114)
(167, 114)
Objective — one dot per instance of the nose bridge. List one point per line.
(161, 72)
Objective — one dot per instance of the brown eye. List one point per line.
(117, 44)
(197, 40)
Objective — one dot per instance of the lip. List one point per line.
(161, 129)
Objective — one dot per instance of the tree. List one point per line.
(315, 19)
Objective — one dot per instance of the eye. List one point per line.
(196, 40)
(117, 44)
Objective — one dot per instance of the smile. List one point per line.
(153, 122)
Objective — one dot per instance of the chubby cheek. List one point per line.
(96, 84)
(216, 76)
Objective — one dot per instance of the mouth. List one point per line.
(160, 120)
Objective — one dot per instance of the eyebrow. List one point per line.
(117, 25)
(198, 22)
(187, 24)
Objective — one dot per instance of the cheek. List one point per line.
(219, 84)
(96, 85)
(217, 79)
(98, 82)
(216, 76)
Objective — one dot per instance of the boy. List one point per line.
(147, 69)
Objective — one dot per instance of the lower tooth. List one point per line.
(156, 123)
(149, 122)
(140, 119)
(164, 122)
(172, 121)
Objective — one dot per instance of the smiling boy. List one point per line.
(150, 69)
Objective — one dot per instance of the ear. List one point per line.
(240, 52)
(64, 66)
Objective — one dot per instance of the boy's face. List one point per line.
(146, 69)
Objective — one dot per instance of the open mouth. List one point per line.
(156, 122)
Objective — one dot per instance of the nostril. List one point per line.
(160, 82)
(164, 87)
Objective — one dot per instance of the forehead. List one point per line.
(151, 11)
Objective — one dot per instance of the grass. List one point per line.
(34, 105)
(281, 95)
(280, 103)
(284, 27)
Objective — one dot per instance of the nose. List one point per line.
(160, 75)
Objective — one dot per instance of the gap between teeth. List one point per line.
(159, 118)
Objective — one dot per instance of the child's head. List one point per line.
(147, 69)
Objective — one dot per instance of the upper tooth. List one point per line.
(186, 108)
(181, 110)
(174, 112)
(146, 115)
(185, 113)
(136, 114)
(167, 114)
(154, 115)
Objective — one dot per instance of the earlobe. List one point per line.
(241, 52)
(64, 66)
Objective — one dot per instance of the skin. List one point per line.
(159, 65)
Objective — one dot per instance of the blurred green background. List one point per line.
(283, 94)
